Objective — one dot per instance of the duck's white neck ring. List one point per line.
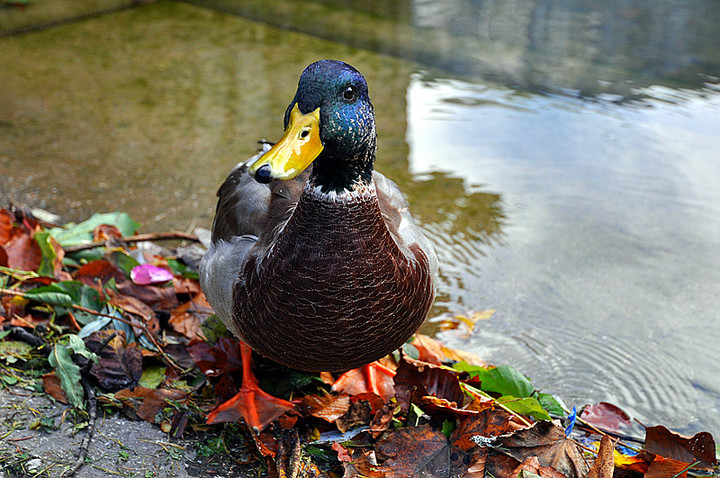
(359, 191)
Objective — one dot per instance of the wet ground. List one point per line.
(563, 159)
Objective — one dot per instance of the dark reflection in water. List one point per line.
(590, 222)
(586, 48)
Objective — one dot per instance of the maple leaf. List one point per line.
(548, 442)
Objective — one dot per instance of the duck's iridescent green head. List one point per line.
(330, 123)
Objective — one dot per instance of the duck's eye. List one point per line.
(349, 93)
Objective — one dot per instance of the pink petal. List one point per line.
(149, 274)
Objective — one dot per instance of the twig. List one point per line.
(601, 432)
(687, 468)
(154, 236)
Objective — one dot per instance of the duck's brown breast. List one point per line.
(335, 291)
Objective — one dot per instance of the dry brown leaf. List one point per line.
(548, 442)
(329, 407)
(604, 465)
(119, 366)
(661, 441)
(187, 318)
(52, 386)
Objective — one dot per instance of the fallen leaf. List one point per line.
(661, 441)
(329, 407)
(531, 466)
(429, 349)
(359, 413)
(120, 366)
(487, 424)
(103, 232)
(68, 373)
(606, 416)
(185, 285)
(6, 225)
(51, 384)
(416, 379)
(187, 318)
(604, 464)
(662, 467)
(150, 401)
(158, 298)
(414, 451)
(215, 360)
(97, 273)
(22, 252)
(548, 442)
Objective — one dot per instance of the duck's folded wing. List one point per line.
(400, 222)
(242, 206)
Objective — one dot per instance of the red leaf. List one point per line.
(22, 251)
(606, 416)
(416, 379)
(6, 225)
(52, 386)
(97, 273)
(213, 361)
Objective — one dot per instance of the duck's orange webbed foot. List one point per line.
(374, 378)
(257, 407)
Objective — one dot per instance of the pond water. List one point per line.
(562, 156)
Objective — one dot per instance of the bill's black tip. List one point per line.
(262, 175)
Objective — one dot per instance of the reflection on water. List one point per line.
(588, 217)
(607, 262)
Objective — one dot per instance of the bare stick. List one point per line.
(153, 236)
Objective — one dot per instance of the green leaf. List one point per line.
(550, 403)
(473, 370)
(50, 295)
(214, 328)
(180, 269)
(74, 234)
(124, 262)
(77, 345)
(448, 427)
(47, 263)
(152, 376)
(525, 406)
(68, 373)
(84, 296)
(505, 380)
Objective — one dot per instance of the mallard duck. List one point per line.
(322, 268)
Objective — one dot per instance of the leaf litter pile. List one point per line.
(95, 316)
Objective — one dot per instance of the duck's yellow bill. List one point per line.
(298, 147)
